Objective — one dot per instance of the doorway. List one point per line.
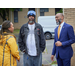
(57, 10)
(32, 9)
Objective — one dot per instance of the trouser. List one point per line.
(32, 60)
(63, 62)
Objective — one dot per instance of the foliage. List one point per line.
(4, 12)
(61, 11)
(16, 31)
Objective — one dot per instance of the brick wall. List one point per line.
(51, 12)
(69, 17)
(22, 16)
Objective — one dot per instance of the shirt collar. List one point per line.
(62, 24)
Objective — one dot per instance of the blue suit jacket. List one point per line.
(66, 38)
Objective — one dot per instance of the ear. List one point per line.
(9, 29)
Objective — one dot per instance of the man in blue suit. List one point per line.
(64, 38)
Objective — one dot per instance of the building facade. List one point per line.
(69, 17)
(18, 18)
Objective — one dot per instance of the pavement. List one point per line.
(46, 55)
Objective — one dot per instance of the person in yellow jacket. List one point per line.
(8, 47)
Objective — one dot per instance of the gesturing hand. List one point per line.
(58, 43)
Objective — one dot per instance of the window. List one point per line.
(41, 13)
(42, 10)
(17, 9)
(15, 16)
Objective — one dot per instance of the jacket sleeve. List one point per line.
(71, 37)
(20, 40)
(42, 40)
(14, 48)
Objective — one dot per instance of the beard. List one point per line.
(31, 20)
(59, 22)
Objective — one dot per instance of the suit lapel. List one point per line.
(57, 32)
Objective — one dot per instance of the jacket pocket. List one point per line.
(38, 32)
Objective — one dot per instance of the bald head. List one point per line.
(59, 16)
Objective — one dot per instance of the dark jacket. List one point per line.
(39, 38)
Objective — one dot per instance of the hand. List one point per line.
(23, 50)
(52, 58)
(58, 43)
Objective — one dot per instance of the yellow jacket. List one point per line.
(10, 53)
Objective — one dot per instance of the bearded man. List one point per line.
(64, 38)
(32, 41)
